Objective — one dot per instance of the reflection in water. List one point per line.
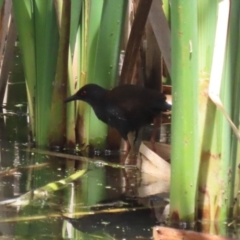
(102, 185)
(17, 175)
(130, 220)
(121, 213)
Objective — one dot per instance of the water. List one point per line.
(56, 195)
(106, 201)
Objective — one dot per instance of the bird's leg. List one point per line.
(130, 155)
(156, 124)
(128, 147)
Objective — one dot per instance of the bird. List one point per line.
(126, 107)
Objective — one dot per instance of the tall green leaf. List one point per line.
(184, 160)
(94, 13)
(76, 6)
(214, 183)
(46, 36)
(208, 120)
(82, 117)
(73, 68)
(232, 75)
(58, 109)
(25, 26)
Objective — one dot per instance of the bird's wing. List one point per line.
(115, 112)
(130, 106)
(129, 96)
(126, 111)
(133, 105)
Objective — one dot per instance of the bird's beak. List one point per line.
(72, 98)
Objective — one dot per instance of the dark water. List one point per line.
(108, 201)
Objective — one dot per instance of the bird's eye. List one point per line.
(84, 93)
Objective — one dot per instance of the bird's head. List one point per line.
(90, 93)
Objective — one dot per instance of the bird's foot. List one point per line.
(153, 145)
(129, 158)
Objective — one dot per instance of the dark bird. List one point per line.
(126, 107)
